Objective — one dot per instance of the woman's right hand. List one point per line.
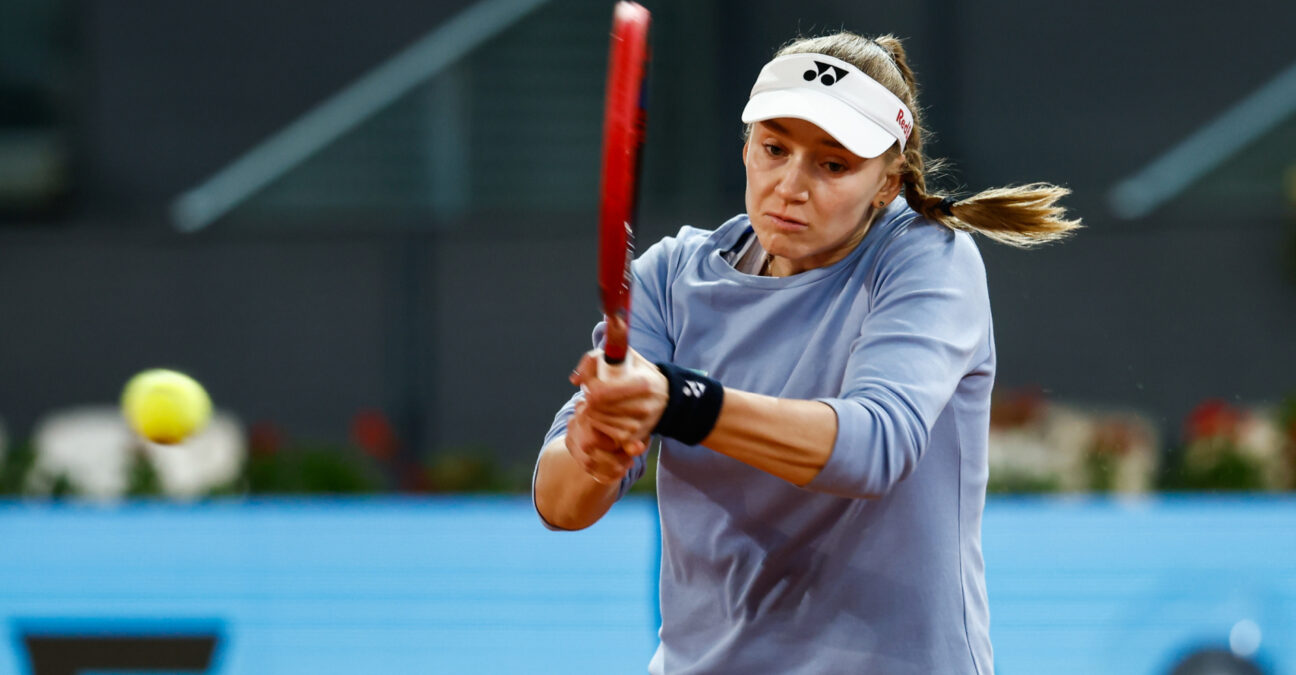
(596, 452)
(624, 406)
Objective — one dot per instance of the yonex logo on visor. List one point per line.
(834, 95)
(828, 79)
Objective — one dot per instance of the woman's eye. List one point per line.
(835, 167)
(774, 150)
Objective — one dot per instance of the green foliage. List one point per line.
(1015, 482)
(473, 468)
(62, 488)
(1100, 467)
(311, 470)
(13, 470)
(143, 480)
(1287, 416)
(1226, 470)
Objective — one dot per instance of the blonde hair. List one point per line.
(1022, 215)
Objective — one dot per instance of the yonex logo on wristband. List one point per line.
(828, 79)
(692, 405)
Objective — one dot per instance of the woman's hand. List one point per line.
(626, 404)
(599, 455)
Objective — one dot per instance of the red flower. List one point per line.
(1116, 437)
(1213, 418)
(371, 430)
(1017, 407)
(264, 438)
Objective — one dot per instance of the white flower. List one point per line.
(1260, 439)
(90, 447)
(93, 449)
(202, 463)
(1063, 445)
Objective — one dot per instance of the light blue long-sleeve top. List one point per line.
(875, 566)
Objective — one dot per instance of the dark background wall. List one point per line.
(463, 325)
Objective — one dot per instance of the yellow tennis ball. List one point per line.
(165, 406)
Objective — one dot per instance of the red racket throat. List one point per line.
(623, 133)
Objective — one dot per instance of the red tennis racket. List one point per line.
(624, 119)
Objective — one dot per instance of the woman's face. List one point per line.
(810, 199)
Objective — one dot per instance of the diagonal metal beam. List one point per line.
(326, 122)
(1170, 174)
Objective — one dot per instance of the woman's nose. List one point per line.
(791, 182)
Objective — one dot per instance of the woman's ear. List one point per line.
(893, 182)
(890, 187)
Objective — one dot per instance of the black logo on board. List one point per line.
(828, 79)
(53, 654)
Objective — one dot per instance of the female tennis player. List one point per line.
(819, 370)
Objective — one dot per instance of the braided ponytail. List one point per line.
(1022, 216)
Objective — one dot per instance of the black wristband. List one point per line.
(692, 407)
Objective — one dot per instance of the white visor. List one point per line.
(837, 97)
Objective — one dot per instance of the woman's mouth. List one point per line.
(786, 223)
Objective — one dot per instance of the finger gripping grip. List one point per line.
(611, 372)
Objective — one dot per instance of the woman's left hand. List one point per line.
(626, 404)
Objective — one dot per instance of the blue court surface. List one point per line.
(476, 585)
